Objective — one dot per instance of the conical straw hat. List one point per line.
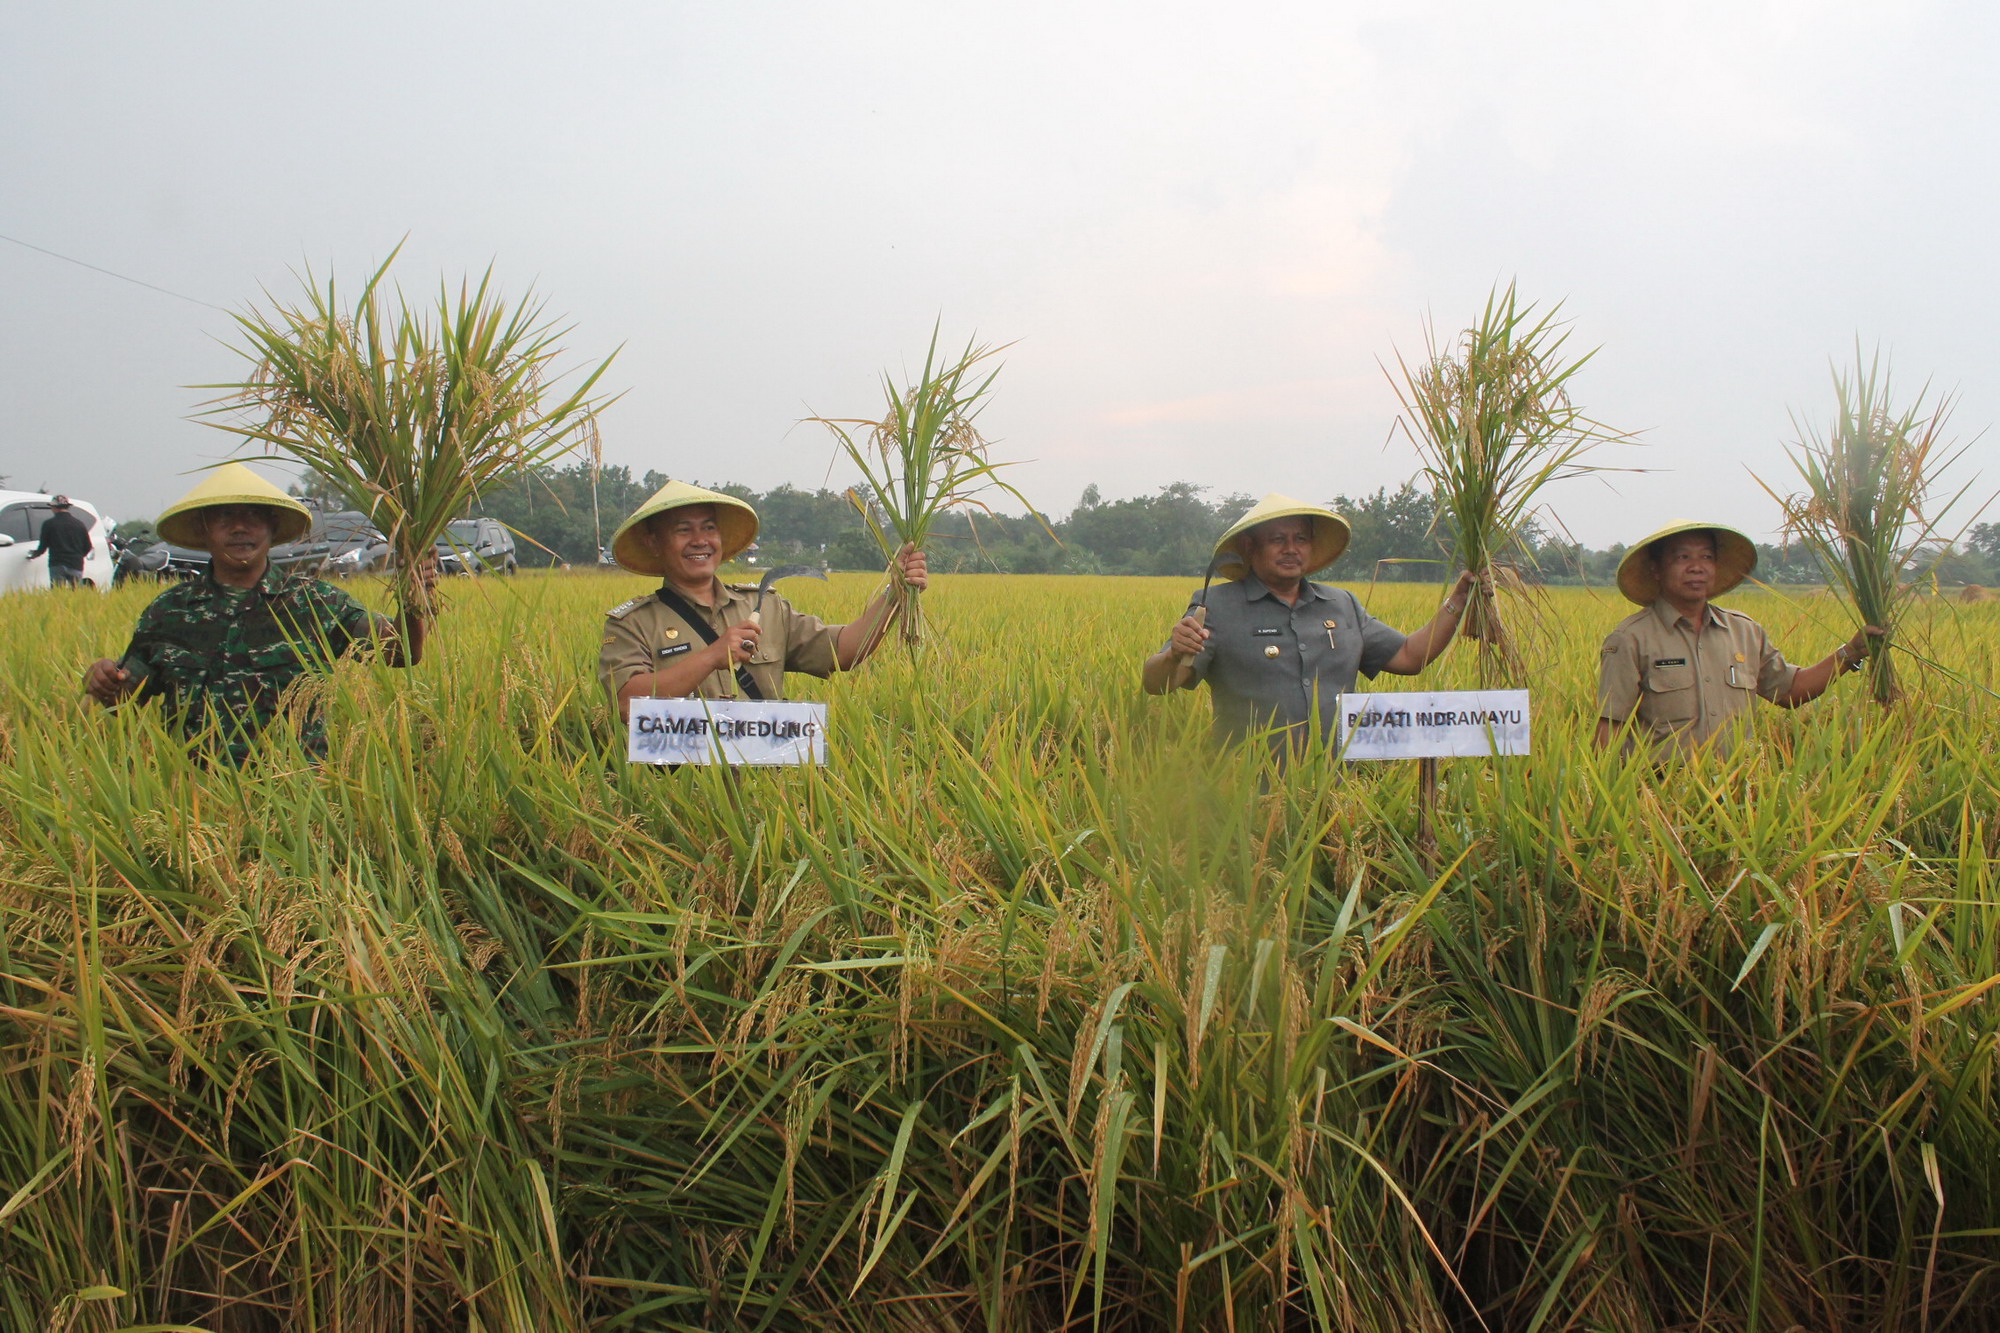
(1735, 557)
(232, 484)
(1329, 534)
(737, 520)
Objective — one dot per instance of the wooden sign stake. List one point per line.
(1427, 800)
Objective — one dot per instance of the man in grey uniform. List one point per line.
(1275, 648)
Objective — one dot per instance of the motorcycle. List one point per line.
(144, 559)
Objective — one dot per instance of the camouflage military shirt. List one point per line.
(221, 658)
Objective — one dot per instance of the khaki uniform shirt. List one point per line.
(645, 634)
(1688, 689)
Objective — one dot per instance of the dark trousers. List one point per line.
(64, 575)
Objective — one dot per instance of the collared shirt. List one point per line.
(221, 658)
(646, 634)
(1688, 689)
(1322, 641)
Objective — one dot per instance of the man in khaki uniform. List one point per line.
(698, 637)
(1682, 671)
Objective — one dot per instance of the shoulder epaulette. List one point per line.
(624, 609)
(745, 587)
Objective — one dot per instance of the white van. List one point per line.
(21, 517)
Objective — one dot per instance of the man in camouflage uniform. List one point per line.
(1681, 673)
(698, 637)
(222, 651)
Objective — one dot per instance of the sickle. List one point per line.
(1221, 558)
(775, 573)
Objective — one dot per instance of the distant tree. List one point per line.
(1951, 566)
(1985, 539)
(1170, 532)
(1393, 527)
(1790, 563)
(553, 510)
(312, 486)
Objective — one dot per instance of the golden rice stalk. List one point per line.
(408, 413)
(1866, 509)
(1492, 417)
(924, 456)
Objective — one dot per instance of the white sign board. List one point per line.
(725, 731)
(1440, 724)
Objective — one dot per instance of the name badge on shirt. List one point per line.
(1670, 661)
(677, 648)
(1267, 631)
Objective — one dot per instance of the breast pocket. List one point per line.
(1670, 695)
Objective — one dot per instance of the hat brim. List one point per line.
(1330, 534)
(1735, 559)
(184, 525)
(631, 549)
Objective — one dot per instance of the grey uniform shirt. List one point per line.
(1323, 641)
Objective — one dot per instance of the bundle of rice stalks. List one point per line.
(410, 415)
(1491, 415)
(923, 457)
(1868, 482)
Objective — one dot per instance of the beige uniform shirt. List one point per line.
(645, 634)
(1688, 689)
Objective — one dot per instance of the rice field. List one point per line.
(1029, 1012)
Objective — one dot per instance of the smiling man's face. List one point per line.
(688, 542)
(1278, 551)
(239, 536)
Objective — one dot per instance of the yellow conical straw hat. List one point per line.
(232, 484)
(1329, 534)
(737, 520)
(1735, 557)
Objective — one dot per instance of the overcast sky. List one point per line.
(1204, 225)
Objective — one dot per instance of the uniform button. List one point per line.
(1272, 651)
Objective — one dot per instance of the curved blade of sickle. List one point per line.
(1222, 558)
(777, 572)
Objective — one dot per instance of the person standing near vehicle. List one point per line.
(66, 542)
(220, 651)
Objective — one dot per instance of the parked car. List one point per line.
(476, 546)
(342, 542)
(22, 514)
(352, 544)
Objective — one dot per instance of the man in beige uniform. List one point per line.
(698, 637)
(1683, 669)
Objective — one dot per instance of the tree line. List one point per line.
(1396, 534)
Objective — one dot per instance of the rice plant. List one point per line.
(924, 456)
(1868, 505)
(1491, 415)
(1028, 1011)
(409, 414)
